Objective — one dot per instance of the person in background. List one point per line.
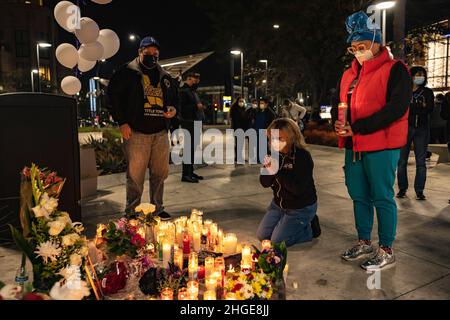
(189, 107)
(261, 117)
(438, 124)
(293, 111)
(143, 99)
(292, 215)
(445, 114)
(239, 120)
(418, 133)
(377, 90)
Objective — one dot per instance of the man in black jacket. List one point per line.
(143, 99)
(445, 114)
(190, 106)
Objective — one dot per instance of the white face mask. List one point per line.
(363, 56)
(241, 104)
(419, 80)
(254, 106)
(278, 145)
(262, 106)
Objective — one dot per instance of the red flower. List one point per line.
(238, 287)
(137, 240)
(26, 172)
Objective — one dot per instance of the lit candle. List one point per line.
(208, 223)
(201, 273)
(171, 232)
(239, 248)
(167, 248)
(246, 257)
(179, 233)
(211, 283)
(266, 245)
(193, 266)
(286, 272)
(219, 267)
(183, 294)
(166, 294)
(178, 258)
(209, 295)
(209, 266)
(220, 241)
(231, 296)
(196, 241)
(229, 244)
(213, 234)
(192, 287)
(186, 244)
(204, 241)
(194, 215)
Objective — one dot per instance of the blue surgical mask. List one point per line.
(418, 81)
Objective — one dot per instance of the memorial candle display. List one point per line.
(229, 244)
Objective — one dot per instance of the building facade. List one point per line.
(23, 24)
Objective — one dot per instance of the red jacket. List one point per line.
(369, 96)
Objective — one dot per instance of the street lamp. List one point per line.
(33, 72)
(236, 53)
(133, 37)
(40, 45)
(266, 82)
(276, 26)
(385, 5)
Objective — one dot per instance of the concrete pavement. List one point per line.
(232, 196)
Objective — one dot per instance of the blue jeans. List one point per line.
(292, 226)
(420, 138)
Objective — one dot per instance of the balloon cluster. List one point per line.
(95, 44)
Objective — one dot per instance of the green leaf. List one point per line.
(22, 244)
(1, 285)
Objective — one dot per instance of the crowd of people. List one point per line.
(389, 108)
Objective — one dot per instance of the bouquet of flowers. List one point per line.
(272, 261)
(250, 286)
(49, 238)
(124, 237)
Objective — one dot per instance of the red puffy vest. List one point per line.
(368, 97)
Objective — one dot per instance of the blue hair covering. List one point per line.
(361, 28)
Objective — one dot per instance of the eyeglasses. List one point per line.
(360, 47)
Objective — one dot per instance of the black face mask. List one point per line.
(150, 61)
(195, 86)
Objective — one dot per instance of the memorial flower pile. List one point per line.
(250, 286)
(49, 238)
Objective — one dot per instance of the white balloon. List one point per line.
(91, 51)
(67, 15)
(102, 1)
(88, 31)
(70, 85)
(67, 55)
(85, 65)
(110, 42)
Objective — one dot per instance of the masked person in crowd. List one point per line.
(190, 106)
(292, 215)
(418, 133)
(239, 120)
(438, 124)
(377, 91)
(143, 99)
(293, 111)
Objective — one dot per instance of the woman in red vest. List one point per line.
(377, 90)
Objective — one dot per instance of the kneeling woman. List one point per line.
(291, 217)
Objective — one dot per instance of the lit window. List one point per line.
(437, 64)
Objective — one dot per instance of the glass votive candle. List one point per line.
(166, 294)
(192, 288)
(209, 295)
(211, 283)
(183, 294)
(209, 266)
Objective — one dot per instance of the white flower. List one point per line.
(40, 212)
(48, 250)
(65, 218)
(70, 239)
(56, 227)
(146, 208)
(75, 259)
(10, 292)
(84, 251)
(48, 203)
(72, 290)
